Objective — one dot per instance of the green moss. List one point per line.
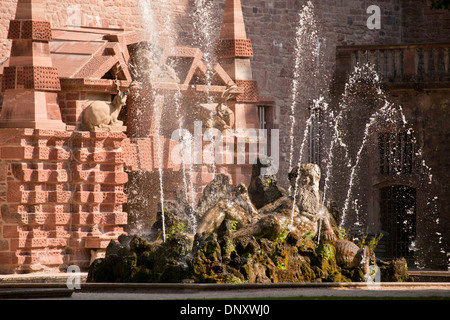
(309, 235)
(342, 234)
(373, 243)
(329, 271)
(281, 238)
(233, 279)
(124, 268)
(228, 247)
(220, 258)
(326, 250)
(142, 275)
(212, 250)
(139, 245)
(307, 272)
(280, 256)
(234, 225)
(306, 246)
(177, 227)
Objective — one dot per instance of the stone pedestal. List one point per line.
(61, 195)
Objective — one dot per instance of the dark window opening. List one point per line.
(398, 219)
(315, 115)
(262, 117)
(397, 153)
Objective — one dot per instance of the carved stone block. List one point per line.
(30, 30)
(229, 48)
(251, 91)
(31, 77)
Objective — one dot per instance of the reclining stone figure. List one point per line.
(239, 208)
(304, 213)
(101, 114)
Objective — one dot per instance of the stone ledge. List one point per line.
(37, 279)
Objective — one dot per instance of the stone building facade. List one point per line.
(271, 26)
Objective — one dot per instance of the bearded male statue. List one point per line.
(304, 213)
(313, 215)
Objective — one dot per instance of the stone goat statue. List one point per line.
(101, 114)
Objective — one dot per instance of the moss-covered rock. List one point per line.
(221, 258)
(394, 271)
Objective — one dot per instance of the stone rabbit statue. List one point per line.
(101, 114)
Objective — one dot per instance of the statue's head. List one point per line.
(309, 174)
(262, 167)
(120, 99)
(123, 98)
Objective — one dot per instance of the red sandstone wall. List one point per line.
(61, 196)
(402, 20)
(270, 26)
(103, 13)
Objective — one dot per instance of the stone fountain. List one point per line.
(227, 222)
(288, 239)
(243, 231)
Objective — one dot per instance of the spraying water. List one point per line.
(158, 38)
(365, 84)
(204, 34)
(336, 142)
(318, 105)
(382, 112)
(373, 120)
(305, 39)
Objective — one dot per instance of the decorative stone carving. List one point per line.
(102, 115)
(239, 209)
(30, 81)
(218, 115)
(218, 189)
(349, 255)
(30, 30)
(235, 243)
(230, 48)
(251, 91)
(307, 215)
(31, 77)
(263, 189)
(242, 198)
(313, 213)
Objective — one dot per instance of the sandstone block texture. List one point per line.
(61, 196)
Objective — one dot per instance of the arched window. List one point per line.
(398, 219)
